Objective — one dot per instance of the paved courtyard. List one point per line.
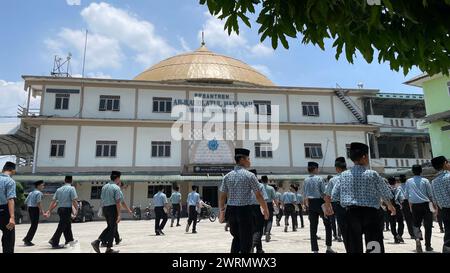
(138, 236)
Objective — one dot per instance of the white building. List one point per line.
(88, 127)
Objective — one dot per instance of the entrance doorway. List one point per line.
(210, 195)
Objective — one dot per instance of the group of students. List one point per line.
(417, 201)
(358, 199)
(162, 205)
(355, 199)
(65, 200)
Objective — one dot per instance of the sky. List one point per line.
(128, 36)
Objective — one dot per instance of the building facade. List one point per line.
(401, 142)
(89, 127)
(436, 90)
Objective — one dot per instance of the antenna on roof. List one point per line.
(84, 53)
(60, 68)
(203, 38)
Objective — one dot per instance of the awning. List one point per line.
(439, 116)
(15, 141)
(57, 178)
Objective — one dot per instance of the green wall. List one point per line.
(437, 100)
(440, 141)
(437, 97)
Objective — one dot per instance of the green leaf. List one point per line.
(388, 5)
(404, 33)
(283, 40)
(274, 42)
(245, 19)
(349, 52)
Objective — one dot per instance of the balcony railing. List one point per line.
(402, 122)
(394, 122)
(399, 162)
(23, 112)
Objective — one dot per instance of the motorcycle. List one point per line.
(206, 212)
(137, 214)
(148, 213)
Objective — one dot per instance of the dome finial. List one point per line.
(203, 38)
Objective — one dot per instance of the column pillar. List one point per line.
(28, 101)
(376, 151)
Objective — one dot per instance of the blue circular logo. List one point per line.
(213, 145)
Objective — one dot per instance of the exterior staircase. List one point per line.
(351, 105)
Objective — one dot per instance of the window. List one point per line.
(57, 148)
(106, 149)
(162, 105)
(96, 192)
(263, 150)
(263, 107)
(313, 150)
(310, 109)
(161, 148)
(62, 101)
(153, 189)
(109, 103)
(347, 148)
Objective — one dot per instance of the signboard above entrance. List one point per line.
(213, 169)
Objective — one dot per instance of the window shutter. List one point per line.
(53, 150)
(58, 103)
(102, 105)
(113, 150)
(61, 150)
(65, 105)
(116, 105)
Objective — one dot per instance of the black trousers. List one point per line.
(387, 216)
(397, 222)
(8, 236)
(314, 212)
(439, 220)
(64, 226)
(176, 211)
(363, 221)
(381, 216)
(268, 223)
(289, 211)
(421, 213)
(33, 212)
(241, 227)
(116, 236)
(279, 215)
(445, 213)
(108, 234)
(160, 218)
(300, 214)
(406, 210)
(258, 227)
(334, 228)
(193, 217)
(339, 213)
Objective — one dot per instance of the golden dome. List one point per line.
(203, 65)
